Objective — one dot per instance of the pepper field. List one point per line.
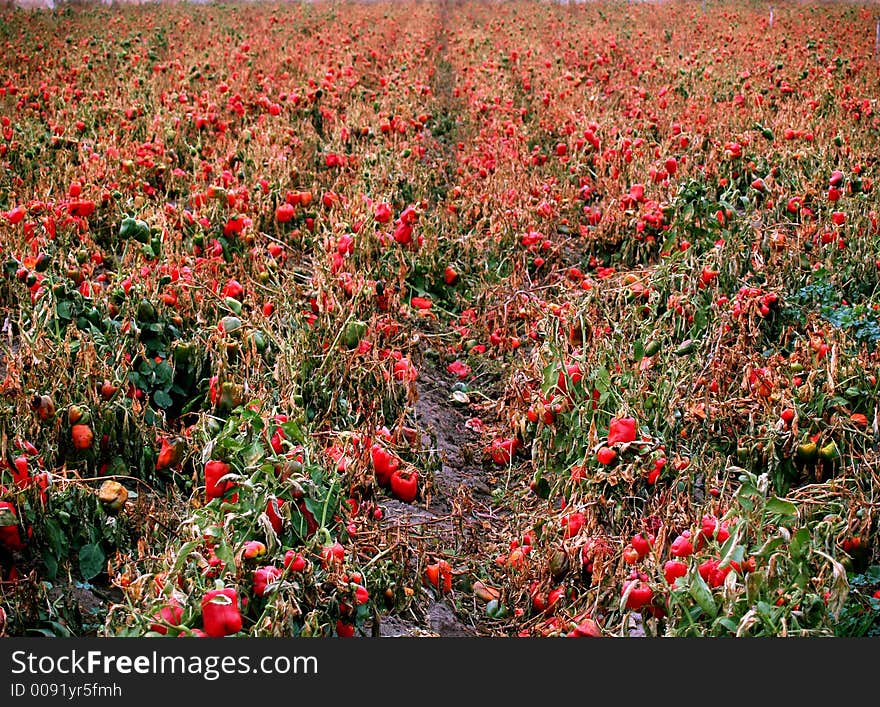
(450, 318)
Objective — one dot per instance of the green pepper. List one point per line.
(132, 228)
(496, 610)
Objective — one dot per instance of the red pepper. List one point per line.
(439, 575)
(586, 629)
(81, 208)
(382, 213)
(384, 464)
(606, 456)
(502, 449)
(622, 429)
(170, 454)
(405, 371)
(640, 594)
(284, 213)
(332, 554)
(171, 613)
(571, 372)
(710, 525)
(572, 524)
(20, 473)
(294, 561)
(681, 546)
(215, 564)
(712, 574)
(344, 630)
(233, 289)
(220, 613)
(405, 485)
(311, 521)
(630, 555)
(263, 577)
(278, 436)
(42, 479)
(538, 597)
(10, 538)
(674, 569)
(403, 233)
(253, 549)
(214, 471)
(361, 595)
(642, 544)
(273, 512)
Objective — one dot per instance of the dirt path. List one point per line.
(458, 445)
(453, 520)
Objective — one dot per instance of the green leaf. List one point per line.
(224, 553)
(638, 350)
(51, 563)
(253, 453)
(183, 554)
(747, 504)
(7, 519)
(91, 561)
(297, 522)
(768, 612)
(231, 324)
(800, 543)
(780, 507)
(700, 322)
(57, 538)
(731, 552)
(701, 594)
(603, 380)
(748, 490)
(162, 399)
(256, 423)
(316, 507)
(755, 582)
(548, 377)
(542, 488)
(233, 445)
(164, 373)
(769, 547)
(293, 430)
(57, 631)
(63, 310)
(728, 623)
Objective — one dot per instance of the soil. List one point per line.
(459, 495)
(63, 604)
(89, 601)
(440, 620)
(458, 446)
